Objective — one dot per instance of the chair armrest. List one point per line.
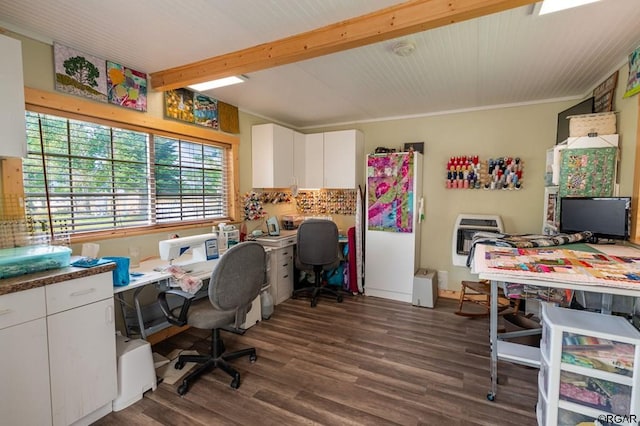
(166, 310)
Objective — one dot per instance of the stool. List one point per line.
(136, 373)
(481, 295)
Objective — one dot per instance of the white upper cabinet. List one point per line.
(13, 142)
(310, 162)
(272, 156)
(343, 159)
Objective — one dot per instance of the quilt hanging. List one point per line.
(588, 172)
(391, 192)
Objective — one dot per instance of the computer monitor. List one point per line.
(606, 217)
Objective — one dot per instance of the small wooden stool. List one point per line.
(481, 295)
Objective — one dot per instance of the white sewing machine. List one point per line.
(203, 257)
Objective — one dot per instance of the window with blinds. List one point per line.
(85, 177)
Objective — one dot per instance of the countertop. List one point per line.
(42, 278)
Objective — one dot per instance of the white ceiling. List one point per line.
(508, 58)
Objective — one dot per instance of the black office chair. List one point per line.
(317, 250)
(235, 282)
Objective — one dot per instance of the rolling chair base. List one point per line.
(216, 359)
(316, 290)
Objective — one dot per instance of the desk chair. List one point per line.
(235, 282)
(317, 250)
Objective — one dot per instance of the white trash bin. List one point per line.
(425, 288)
(136, 372)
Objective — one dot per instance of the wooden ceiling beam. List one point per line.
(384, 24)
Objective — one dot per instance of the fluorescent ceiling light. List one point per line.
(550, 6)
(221, 82)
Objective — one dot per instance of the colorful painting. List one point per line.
(588, 172)
(79, 74)
(205, 111)
(390, 194)
(126, 87)
(178, 104)
(633, 82)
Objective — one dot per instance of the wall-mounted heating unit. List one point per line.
(467, 225)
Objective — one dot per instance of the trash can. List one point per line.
(136, 373)
(425, 288)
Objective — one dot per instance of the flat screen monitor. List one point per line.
(606, 217)
(584, 107)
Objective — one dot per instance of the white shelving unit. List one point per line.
(588, 368)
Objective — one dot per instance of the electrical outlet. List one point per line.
(443, 278)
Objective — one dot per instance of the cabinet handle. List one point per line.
(285, 264)
(5, 311)
(83, 292)
(109, 314)
(286, 276)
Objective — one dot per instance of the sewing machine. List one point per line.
(204, 252)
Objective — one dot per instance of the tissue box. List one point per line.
(26, 260)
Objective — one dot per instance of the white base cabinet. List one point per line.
(58, 353)
(24, 394)
(589, 368)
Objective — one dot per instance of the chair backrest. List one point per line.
(238, 277)
(317, 242)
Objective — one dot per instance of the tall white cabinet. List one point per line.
(589, 367)
(12, 121)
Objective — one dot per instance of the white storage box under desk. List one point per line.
(136, 373)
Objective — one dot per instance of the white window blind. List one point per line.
(86, 177)
(190, 181)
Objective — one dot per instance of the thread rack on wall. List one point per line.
(471, 172)
(341, 201)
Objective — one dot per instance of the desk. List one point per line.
(153, 275)
(612, 270)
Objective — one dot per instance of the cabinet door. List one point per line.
(314, 161)
(272, 156)
(12, 121)
(24, 374)
(343, 159)
(82, 360)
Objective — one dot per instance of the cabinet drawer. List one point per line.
(22, 306)
(81, 291)
(284, 256)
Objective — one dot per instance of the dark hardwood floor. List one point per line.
(365, 361)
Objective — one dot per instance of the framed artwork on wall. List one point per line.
(79, 74)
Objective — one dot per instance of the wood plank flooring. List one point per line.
(366, 361)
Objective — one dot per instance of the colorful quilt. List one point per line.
(561, 265)
(588, 172)
(390, 194)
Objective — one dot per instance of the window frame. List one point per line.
(79, 109)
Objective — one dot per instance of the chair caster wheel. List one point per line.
(182, 389)
(339, 299)
(314, 303)
(491, 396)
(179, 365)
(235, 383)
(253, 358)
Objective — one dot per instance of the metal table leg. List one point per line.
(493, 337)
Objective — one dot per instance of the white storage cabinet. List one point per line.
(309, 160)
(24, 370)
(272, 156)
(281, 274)
(12, 121)
(588, 369)
(82, 348)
